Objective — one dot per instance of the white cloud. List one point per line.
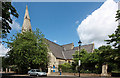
(3, 50)
(77, 22)
(55, 41)
(15, 25)
(97, 26)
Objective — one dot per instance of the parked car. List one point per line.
(37, 72)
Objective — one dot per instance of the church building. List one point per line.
(59, 54)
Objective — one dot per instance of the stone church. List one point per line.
(59, 54)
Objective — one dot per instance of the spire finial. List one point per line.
(26, 13)
(26, 6)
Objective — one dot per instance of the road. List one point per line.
(12, 75)
(53, 77)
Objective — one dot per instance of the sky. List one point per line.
(67, 22)
(99, 24)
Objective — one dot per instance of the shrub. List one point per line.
(66, 67)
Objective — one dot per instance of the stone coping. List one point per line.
(73, 74)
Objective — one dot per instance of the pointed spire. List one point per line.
(26, 13)
(26, 23)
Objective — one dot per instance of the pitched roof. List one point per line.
(89, 48)
(68, 54)
(55, 49)
(68, 46)
(59, 52)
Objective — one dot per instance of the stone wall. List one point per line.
(55, 62)
(52, 62)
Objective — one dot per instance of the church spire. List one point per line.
(26, 13)
(26, 23)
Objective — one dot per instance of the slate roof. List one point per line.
(60, 53)
(55, 49)
(68, 54)
(68, 46)
(89, 47)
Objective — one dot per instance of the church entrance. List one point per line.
(53, 68)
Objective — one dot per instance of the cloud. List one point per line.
(97, 26)
(77, 22)
(15, 25)
(55, 41)
(3, 50)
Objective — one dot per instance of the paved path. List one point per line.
(53, 77)
(12, 75)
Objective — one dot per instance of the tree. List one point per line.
(106, 53)
(115, 37)
(92, 62)
(28, 50)
(7, 10)
(66, 67)
(86, 61)
(115, 41)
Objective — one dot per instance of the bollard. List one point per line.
(6, 70)
(1, 70)
(9, 69)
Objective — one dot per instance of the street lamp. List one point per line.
(79, 55)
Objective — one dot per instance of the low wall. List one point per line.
(75, 74)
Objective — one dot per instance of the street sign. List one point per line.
(79, 62)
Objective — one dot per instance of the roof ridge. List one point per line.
(67, 44)
(86, 44)
(54, 43)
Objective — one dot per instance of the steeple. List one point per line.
(26, 23)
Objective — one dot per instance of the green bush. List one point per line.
(85, 71)
(66, 67)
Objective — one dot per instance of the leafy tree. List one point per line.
(105, 56)
(28, 50)
(66, 67)
(115, 41)
(115, 37)
(106, 53)
(4, 62)
(86, 60)
(83, 53)
(7, 10)
(92, 62)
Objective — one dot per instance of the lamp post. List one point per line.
(79, 55)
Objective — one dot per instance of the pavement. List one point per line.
(53, 77)
(13, 75)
